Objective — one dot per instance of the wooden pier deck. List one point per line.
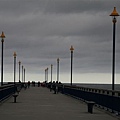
(38, 103)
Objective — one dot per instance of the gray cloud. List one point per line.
(41, 31)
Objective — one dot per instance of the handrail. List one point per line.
(106, 98)
(8, 90)
(95, 90)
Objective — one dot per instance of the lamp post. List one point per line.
(2, 36)
(58, 69)
(114, 15)
(71, 49)
(47, 74)
(51, 72)
(14, 66)
(19, 70)
(22, 73)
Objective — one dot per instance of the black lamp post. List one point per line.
(22, 73)
(19, 70)
(58, 60)
(47, 74)
(14, 66)
(2, 36)
(51, 72)
(114, 15)
(71, 49)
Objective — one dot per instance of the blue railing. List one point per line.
(103, 98)
(8, 90)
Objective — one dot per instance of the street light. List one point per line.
(114, 15)
(22, 73)
(2, 36)
(14, 66)
(19, 70)
(47, 74)
(58, 69)
(51, 72)
(71, 49)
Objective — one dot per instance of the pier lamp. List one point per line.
(47, 74)
(14, 55)
(19, 69)
(114, 15)
(51, 72)
(58, 60)
(22, 73)
(2, 40)
(71, 49)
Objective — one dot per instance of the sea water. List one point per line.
(100, 86)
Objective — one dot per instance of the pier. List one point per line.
(36, 103)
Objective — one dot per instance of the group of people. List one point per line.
(54, 86)
(33, 84)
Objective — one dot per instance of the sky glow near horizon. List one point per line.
(43, 30)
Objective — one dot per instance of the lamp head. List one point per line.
(114, 13)
(2, 35)
(71, 48)
(58, 60)
(19, 62)
(14, 54)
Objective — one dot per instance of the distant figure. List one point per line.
(28, 84)
(56, 87)
(38, 83)
(53, 87)
(50, 86)
(33, 83)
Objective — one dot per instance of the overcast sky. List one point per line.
(40, 31)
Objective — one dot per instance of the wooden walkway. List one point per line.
(38, 103)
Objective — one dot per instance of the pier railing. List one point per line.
(8, 90)
(107, 99)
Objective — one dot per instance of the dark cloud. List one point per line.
(43, 30)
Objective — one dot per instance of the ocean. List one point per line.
(99, 86)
